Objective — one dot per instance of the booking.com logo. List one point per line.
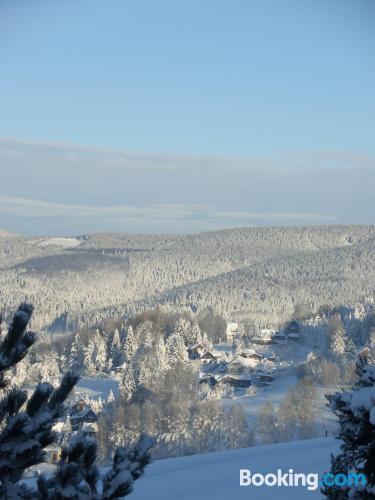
(310, 481)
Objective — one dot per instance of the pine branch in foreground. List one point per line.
(356, 413)
(27, 430)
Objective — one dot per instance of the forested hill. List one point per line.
(259, 273)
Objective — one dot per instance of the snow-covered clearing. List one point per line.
(276, 392)
(59, 242)
(95, 387)
(216, 475)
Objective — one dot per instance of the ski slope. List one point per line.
(216, 475)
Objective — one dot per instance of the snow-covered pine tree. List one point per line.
(160, 358)
(116, 483)
(115, 350)
(130, 345)
(176, 348)
(24, 434)
(356, 413)
(196, 333)
(88, 358)
(111, 397)
(76, 356)
(206, 341)
(350, 349)
(100, 354)
(337, 338)
(127, 382)
(183, 327)
(66, 432)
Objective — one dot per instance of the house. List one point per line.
(90, 429)
(293, 327)
(196, 350)
(210, 356)
(236, 381)
(203, 353)
(279, 337)
(52, 454)
(232, 331)
(81, 413)
(209, 379)
(262, 340)
(250, 354)
(262, 378)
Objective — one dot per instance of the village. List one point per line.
(235, 367)
(243, 361)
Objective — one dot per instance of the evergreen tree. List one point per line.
(127, 382)
(76, 356)
(196, 333)
(115, 349)
(160, 358)
(25, 434)
(88, 358)
(100, 354)
(130, 345)
(176, 349)
(111, 397)
(356, 413)
(350, 350)
(66, 432)
(183, 328)
(337, 338)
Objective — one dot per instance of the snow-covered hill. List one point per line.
(215, 476)
(59, 242)
(256, 274)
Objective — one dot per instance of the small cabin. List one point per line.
(209, 357)
(250, 354)
(196, 350)
(261, 340)
(263, 379)
(52, 454)
(210, 380)
(239, 382)
(81, 413)
(279, 337)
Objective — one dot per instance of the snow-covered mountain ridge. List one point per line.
(253, 273)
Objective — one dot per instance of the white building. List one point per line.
(232, 330)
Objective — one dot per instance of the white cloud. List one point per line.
(29, 208)
(87, 187)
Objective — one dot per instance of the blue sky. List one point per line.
(273, 86)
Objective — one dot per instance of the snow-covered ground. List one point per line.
(216, 475)
(95, 387)
(59, 242)
(276, 392)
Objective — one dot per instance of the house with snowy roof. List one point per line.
(238, 381)
(196, 350)
(81, 413)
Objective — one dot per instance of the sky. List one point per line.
(183, 116)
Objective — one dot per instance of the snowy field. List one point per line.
(95, 387)
(216, 475)
(59, 242)
(276, 393)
